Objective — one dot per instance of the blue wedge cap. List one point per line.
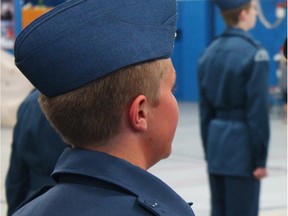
(83, 40)
(230, 4)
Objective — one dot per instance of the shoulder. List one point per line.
(261, 55)
(259, 52)
(92, 201)
(253, 49)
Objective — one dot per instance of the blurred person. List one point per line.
(36, 148)
(285, 48)
(106, 79)
(234, 121)
(282, 79)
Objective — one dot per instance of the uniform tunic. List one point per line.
(36, 148)
(94, 183)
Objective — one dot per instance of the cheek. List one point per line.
(172, 114)
(175, 109)
(167, 122)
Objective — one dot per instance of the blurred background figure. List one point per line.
(282, 76)
(7, 24)
(233, 87)
(285, 48)
(36, 148)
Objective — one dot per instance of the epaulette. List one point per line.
(261, 55)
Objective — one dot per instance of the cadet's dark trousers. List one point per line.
(234, 196)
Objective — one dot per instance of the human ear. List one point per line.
(242, 15)
(138, 113)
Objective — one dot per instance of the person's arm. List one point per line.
(257, 111)
(206, 112)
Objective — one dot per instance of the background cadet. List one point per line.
(104, 72)
(36, 148)
(233, 89)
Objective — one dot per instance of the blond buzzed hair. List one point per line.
(91, 114)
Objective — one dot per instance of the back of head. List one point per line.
(231, 9)
(81, 48)
(91, 114)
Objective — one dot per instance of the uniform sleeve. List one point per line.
(206, 112)
(257, 107)
(17, 178)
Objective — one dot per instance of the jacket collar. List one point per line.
(147, 187)
(237, 32)
(233, 31)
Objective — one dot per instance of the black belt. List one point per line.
(237, 115)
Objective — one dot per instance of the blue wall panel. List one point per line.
(192, 28)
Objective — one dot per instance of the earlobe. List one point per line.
(138, 113)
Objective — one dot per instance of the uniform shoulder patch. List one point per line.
(261, 55)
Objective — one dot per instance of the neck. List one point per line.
(126, 147)
(242, 26)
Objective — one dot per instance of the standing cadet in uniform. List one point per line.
(36, 148)
(234, 120)
(105, 75)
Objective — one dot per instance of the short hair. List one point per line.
(231, 17)
(91, 114)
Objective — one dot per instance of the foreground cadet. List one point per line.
(233, 88)
(105, 75)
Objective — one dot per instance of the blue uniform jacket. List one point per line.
(97, 184)
(233, 90)
(36, 148)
